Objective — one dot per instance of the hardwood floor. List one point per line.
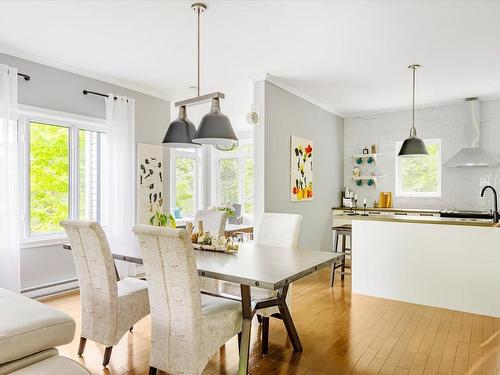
(341, 333)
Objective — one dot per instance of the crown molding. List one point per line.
(285, 86)
(272, 79)
(85, 73)
(482, 99)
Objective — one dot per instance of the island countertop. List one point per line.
(392, 209)
(416, 219)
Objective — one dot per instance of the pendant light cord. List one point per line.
(198, 85)
(414, 67)
(198, 8)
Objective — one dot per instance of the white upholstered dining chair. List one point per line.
(281, 230)
(214, 222)
(187, 328)
(109, 307)
(275, 230)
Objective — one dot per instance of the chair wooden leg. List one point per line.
(81, 348)
(259, 318)
(107, 356)
(265, 335)
(152, 371)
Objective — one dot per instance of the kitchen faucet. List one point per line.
(495, 213)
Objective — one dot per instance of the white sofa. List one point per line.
(29, 333)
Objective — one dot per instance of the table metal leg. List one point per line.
(287, 320)
(246, 305)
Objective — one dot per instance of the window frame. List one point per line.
(438, 193)
(241, 156)
(196, 155)
(74, 123)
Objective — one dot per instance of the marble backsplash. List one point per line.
(461, 187)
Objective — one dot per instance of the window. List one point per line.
(62, 165)
(420, 176)
(49, 177)
(184, 182)
(234, 177)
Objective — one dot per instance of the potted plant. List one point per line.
(160, 218)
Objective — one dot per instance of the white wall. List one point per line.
(62, 91)
(285, 114)
(461, 187)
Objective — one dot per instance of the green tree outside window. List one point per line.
(248, 186)
(49, 177)
(229, 181)
(185, 170)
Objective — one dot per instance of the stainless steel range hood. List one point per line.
(473, 156)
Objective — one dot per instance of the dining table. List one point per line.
(253, 265)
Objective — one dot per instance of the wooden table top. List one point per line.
(263, 266)
(254, 265)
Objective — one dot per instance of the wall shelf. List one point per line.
(362, 157)
(360, 180)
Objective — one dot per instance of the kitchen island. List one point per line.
(444, 262)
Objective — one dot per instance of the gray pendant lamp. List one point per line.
(215, 128)
(413, 146)
(180, 132)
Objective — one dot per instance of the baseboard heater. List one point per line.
(49, 289)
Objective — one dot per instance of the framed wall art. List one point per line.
(301, 169)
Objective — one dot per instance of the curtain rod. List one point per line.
(25, 76)
(86, 92)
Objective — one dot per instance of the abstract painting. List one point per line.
(301, 169)
(149, 181)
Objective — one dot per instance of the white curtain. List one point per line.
(120, 171)
(9, 200)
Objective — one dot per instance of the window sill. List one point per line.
(42, 241)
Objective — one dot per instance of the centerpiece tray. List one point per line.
(198, 246)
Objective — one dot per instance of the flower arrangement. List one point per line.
(202, 240)
(225, 208)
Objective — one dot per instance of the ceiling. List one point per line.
(351, 55)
